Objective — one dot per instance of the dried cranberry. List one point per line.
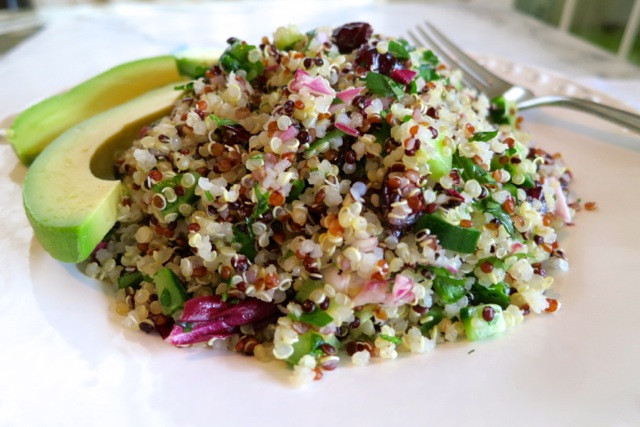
(352, 35)
(236, 134)
(370, 58)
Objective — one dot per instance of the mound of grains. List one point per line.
(330, 195)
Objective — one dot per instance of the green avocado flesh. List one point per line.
(40, 124)
(70, 209)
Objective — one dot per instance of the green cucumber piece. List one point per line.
(285, 38)
(306, 288)
(236, 57)
(309, 343)
(171, 292)
(440, 164)
(451, 236)
(476, 327)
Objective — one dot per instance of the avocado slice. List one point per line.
(40, 124)
(70, 209)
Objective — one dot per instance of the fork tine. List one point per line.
(471, 79)
(468, 64)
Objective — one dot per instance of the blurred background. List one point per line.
(610, 24)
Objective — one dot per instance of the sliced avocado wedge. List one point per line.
(40, 124)
(71, 209)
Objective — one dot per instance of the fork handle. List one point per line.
(624, 118)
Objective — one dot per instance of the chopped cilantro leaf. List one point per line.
(395, 340)
(496, 210)
(382, 85)
(186, 86)
(329, 136)
(222, 122)
(209, 196)
(297, 187)
(470, 170)
(428, 73)
(262, 205)
(246, 240)
(430, 58)
(484, 136)
(317, 318)
(398, 50)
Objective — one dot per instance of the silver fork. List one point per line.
(493, 86)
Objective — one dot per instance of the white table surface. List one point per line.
(75, 44)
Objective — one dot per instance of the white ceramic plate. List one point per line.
(65, 358)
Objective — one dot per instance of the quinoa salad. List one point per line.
(333, 195)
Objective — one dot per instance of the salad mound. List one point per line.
(333, 194)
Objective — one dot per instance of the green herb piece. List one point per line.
(297, 187)
(337, 101)
(470, 170)
(315, 145)
(430, 58)
(384, 86)
(528, 181)
(382, 133)
(512, 189)
(432, 318)
(209, 196)
(449, 289)
(484, 136)
(413, 87)
(393, 339)
(188, 197)
(131, 280)
(428, 73)
(318, 318)
(503, 112)
(222, 122)
(495, 209)
(186, 86)
(494, 294)
(262, 205)
(398, 50)
(236, 57)
(450, 236)
(289, 254)
(246, 240)
(171, 291)
(225, 296)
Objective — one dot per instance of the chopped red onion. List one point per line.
(347, 129)
(403, 76)
(347, 96)
(317, 85)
